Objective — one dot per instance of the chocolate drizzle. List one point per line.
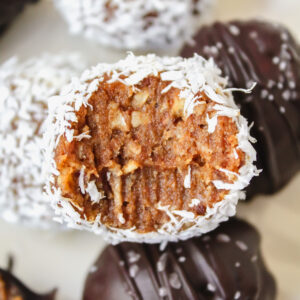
(267, 54)
(11, 288)
(224, 264)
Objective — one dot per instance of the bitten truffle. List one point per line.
(12, 288)
(9, 9)
(135, 24)
(225, 264)
(147, 149)
(265, 53)
(24, 91)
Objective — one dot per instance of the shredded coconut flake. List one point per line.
(187, 179)
(93, 269)
(133, 256)
(175, 281)
(254, 258)
(224, 238)
(182, 259)
(241, 245)
(237, 295)
(161, 264)
(162, 292)
(211, 287)
(195, 202)
(133, 270)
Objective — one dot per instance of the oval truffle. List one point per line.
(24, 91)
(224, 264)
(147, 149)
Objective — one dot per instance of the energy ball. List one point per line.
(135, 24)
(225, 264)
(265, 53)
(24, 91)
(147, 149)
(9, 9)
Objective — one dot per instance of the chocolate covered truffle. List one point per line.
(24, 91)
(225, 264)
(135, 24)
(265, 53)
(9, 9)
(147, 149)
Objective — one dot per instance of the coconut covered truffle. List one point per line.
(225, 264)
(24, 91)
(265, 53)
(9, 9)
(147, 149)
(134, 24)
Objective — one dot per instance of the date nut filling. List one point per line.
(144, 153)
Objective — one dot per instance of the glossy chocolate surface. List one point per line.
(265, 53)
(224, 264)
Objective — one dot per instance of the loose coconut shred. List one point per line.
(148, 149)
(135, 24)
(24, 90)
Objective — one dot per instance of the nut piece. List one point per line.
(130, 167)
(140, 99)
(178, 106)
(117, 119)
(139, 118)
(134, 148)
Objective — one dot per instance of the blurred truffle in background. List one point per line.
(11, 288)
(135, 24)
(24, 91)
(265, 53)
(9, 9)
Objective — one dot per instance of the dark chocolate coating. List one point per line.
(265, 53)
(15, 289)
(224, 264)
(9, 9)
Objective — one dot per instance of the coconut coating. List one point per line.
(25, 88)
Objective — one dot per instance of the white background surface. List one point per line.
(45, 259)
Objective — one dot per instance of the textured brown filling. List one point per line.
(140, 151)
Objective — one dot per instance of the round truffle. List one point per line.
(225, 264)
(11, 288)
(134, 24)
(9, 9)
(24, 91)
(147, 149)
(265, 53)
